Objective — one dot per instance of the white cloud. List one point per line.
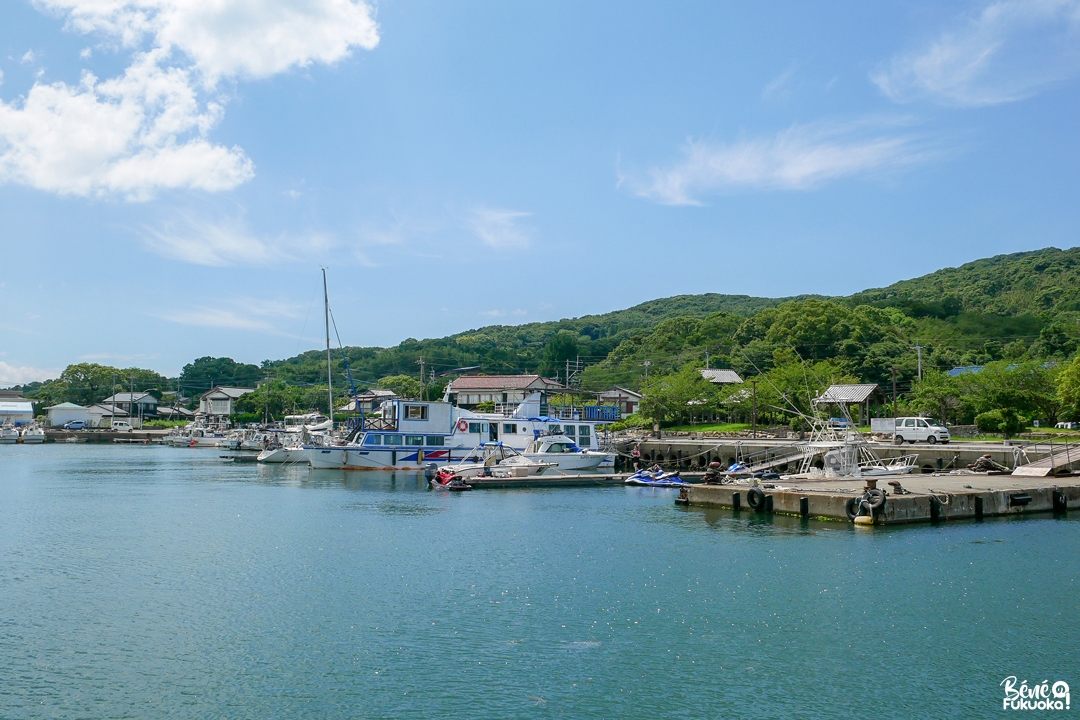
(1009, 51)
(221, 243)
(780, 86)
(800, 158)
(238, 314)
(231, 38)
(27, 58)
(498, 228)
(147, 129)
(130, 135)
(18, 375)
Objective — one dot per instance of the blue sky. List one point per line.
(173, 173)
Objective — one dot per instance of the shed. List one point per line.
(17, 410)
(861, 395)
(67, 412)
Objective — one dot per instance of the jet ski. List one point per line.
(656, 477)
(447, 479)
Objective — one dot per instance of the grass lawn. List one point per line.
(720, 427)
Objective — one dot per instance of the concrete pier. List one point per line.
(931, 497)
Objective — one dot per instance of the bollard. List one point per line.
(935, 506)
(1061, 502)
(978, 507)
(736, 500)
(768, 504)
(804, 506)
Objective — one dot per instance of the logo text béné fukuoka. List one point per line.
(1040, 696)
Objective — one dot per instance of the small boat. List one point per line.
(494, 459)
(565, 453)
(656, 477)
(32, 434)
(9, 434)
(446, 479)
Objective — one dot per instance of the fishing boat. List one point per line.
(494, 459)
(195, 436)
(9, 434)
(32, 434)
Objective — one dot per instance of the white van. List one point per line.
(121, 426)
(920, 429)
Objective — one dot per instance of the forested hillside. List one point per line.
(1012, 309)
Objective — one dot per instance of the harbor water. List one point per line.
(153, 582)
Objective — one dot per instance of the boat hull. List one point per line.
(352, 457)
(284, 455)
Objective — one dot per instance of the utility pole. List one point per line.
(646, 365)
(753, 384)
(918, 349)
(706, 359)
(893, 392)
(423, 379)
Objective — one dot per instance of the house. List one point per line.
(627, 400)
(964, 369)
(862, 395)
(221, 400)
(368, 401)
(101, 416)
(721, 377)
(140, 404)
(67, 412)
(468, 392)
(16, 409)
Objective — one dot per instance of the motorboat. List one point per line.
(33, 434)
(656, 477)
(9, 434)
(494, 459)
(293, 447)
(565, 453)
(196, 436)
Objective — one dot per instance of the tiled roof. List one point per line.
(721, 377)
(848, 393)
(233, 392)
(498, 382)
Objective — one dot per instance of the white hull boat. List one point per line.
(9, 435)
(566, 454)
(33, 434)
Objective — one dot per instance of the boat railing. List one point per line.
(380, 424)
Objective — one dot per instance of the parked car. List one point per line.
(920, 429)
(75, 425)
(121, 426)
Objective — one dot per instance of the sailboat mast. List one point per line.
(329, 371)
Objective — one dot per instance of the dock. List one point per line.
(928, 497)
(548, 481)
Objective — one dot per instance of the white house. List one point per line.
(221, 400)
(472, 390)
(17, 410)
(67, 412)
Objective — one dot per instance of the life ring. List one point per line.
(756, 498)
(463, 425)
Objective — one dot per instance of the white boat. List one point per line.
(32, 434)
(495, 459)
(565, 453)
(293, 447)
(196, 436)
(9, 434)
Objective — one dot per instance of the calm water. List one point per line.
(153, 582)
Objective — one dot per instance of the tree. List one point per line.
(1068, 389)
(669, 398)
(937, 394)
(562, 347)
(403, 385)
(205, 372)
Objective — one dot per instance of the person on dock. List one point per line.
(636, 455)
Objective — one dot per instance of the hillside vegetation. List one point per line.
(1010, 309)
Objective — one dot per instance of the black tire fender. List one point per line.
(852, 507)
(755, 497)
(876, 499)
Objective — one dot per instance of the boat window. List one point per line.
(510, 428)
(584, 440)
(392, 439)
(373, 440)
(474, 427)
(436, 440)
(414, 439)
(569, 430)
(415, 412)
(583, 431)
